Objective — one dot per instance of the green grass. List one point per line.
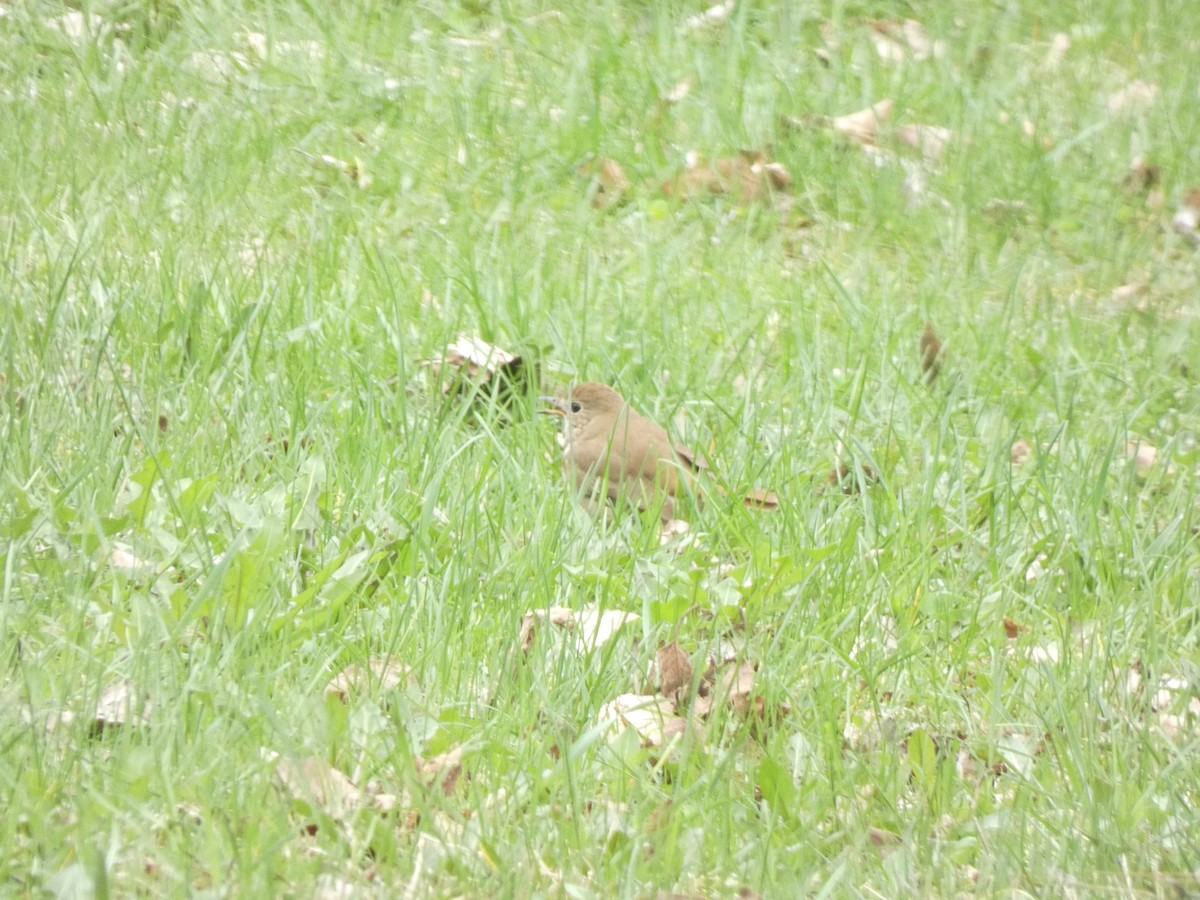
(211, 361)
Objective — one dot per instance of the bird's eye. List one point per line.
(575, 407)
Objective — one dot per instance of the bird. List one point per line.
(614, 455)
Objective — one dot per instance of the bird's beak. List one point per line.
(558, 406)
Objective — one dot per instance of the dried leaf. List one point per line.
(610, 181)
(1127, 293)
(354, 170)
(591, 627)
(679, 92)
(129, 565)
(674, 528)
(1141, 177)
(1059, 45)
(122, 704)
(652, 717)
(675, 672)
(747, 178)
(757, 498)
(356, 680)
(315, 782)
(596, 628)
(1036, 569)
(931, 353)
(897, 41)
(882, 838)
(930, 140)
(443, 769)
(76, 26)
(1046, 654)
(1143, 456)
(472, 363)
(1185, 725)
(737, 684)
(1020, 453)
(863, 126)
(1137, 96)
(1187, 219)
(711, 17)
(734, 686)
(1019, 750)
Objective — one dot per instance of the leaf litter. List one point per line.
(473, 366)
(903, 41)
(1186, 222)
(749, 177)
(318, 785)
(590, 627)
(121, 705)
(377, 674)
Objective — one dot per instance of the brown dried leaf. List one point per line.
(734, 686)
(316, 782)
(611, 182)
(1021, 452)
(1181, 726)
(474, 363)
(675, 672)
(1127, 293)
(1141, 177)
(443, 769)
(931, 353)
(592, 628)
(747, 178)
(843, 476)
(121, 704)
(652, 717)
(129, 565)
(737, 684)
(882, 838)
(863, 126)
(355, 680)
(710, 18)
(757, 498)
(528, 633)
(931, 140)
(672, 529)
(1137, 96)
(1144, 457)
(897, 41)
(1019, 749)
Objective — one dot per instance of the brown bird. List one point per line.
(610, 450)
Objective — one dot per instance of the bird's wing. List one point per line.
(690, 458)
(647, 454)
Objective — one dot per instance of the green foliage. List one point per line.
(232, 233)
